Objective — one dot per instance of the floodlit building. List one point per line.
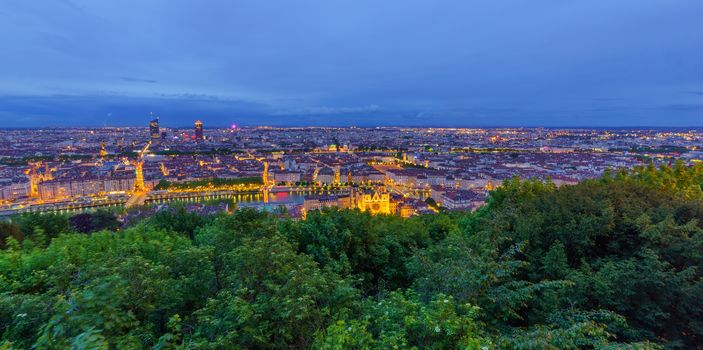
(375, 202)
(317, 202)
(462, 199)
(154, 128)
(326, 176)
(199, 131)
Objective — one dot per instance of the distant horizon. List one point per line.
(438, 126)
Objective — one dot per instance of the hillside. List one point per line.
(613, 263)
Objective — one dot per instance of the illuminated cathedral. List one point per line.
(375, 202)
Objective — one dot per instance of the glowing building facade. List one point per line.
(154, 128)
(199, 131)
(374, 202)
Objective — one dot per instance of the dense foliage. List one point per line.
(613, 263)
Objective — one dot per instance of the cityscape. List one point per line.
(351, 174)
(384, 170)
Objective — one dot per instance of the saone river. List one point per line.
(257, 199)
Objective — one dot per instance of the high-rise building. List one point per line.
(154, 128)
(198, 130)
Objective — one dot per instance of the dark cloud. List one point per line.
(182, 110)
(324, 110)
(139, 80)
(608, 99)
(441, 62)
(682, 107)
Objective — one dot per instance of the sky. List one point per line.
(352, 62)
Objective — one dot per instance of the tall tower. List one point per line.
(139, 181)
(198, 130)
(34, 180)
(337, 176)
(139, 186)
(265, 175)
(154, 128)
(489, 186)
(103, 151)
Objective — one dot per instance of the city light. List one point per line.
(454, 167)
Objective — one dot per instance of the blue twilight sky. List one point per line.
(352, 62)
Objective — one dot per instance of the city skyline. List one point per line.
(351, 174)
(444, 63)
(184, 125)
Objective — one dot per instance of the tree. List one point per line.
(51, 225)
(82, 223)
(272, 298)
(630, 243)
(400, 321)
(477, 274)
(374, 248)
(177, 219)
(9, 230)
(105, 220)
